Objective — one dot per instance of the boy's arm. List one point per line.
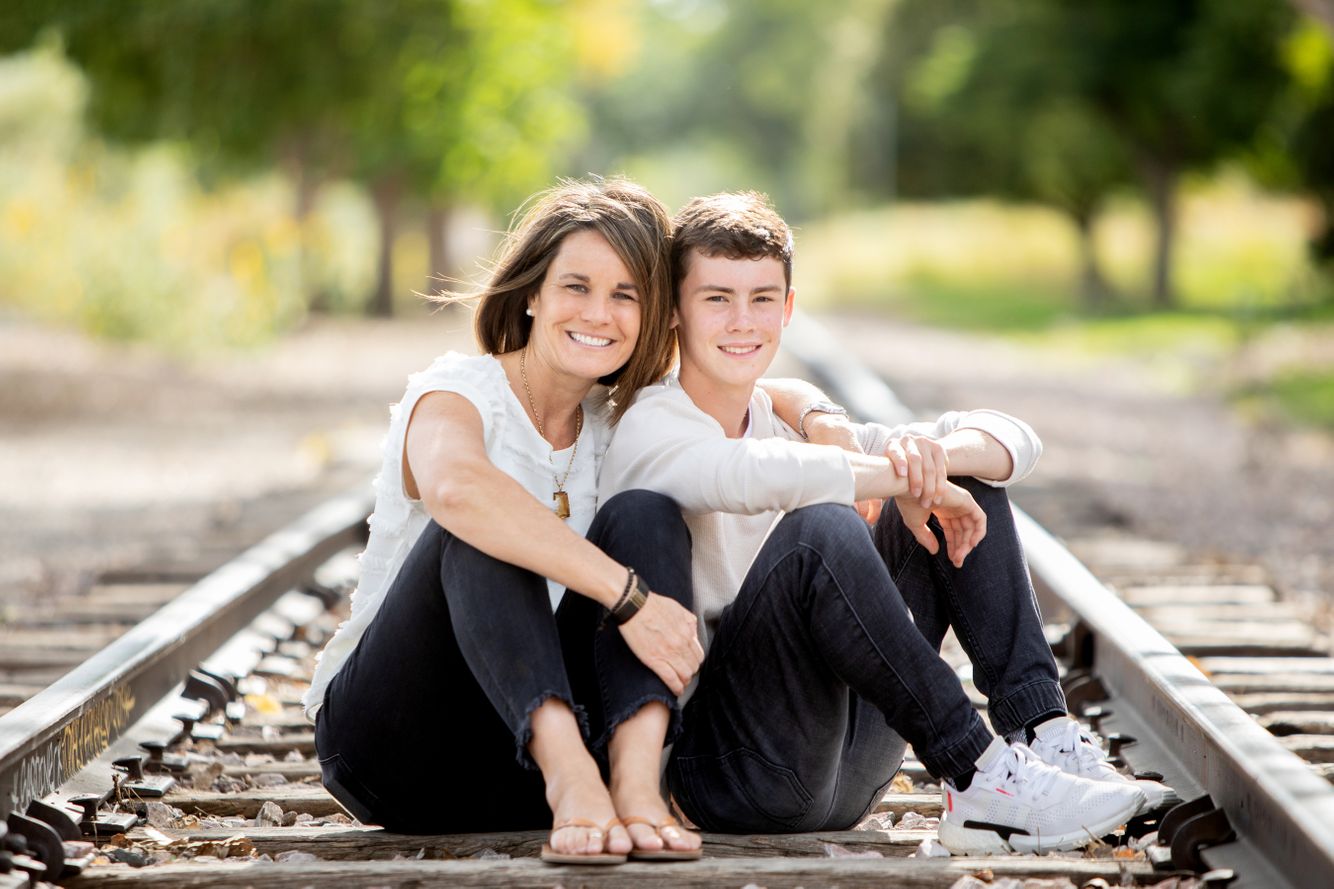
(665, 444)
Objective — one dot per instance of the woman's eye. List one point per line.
(577, 288)
(621, 294)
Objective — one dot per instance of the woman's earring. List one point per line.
(528, 312)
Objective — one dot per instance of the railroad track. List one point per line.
(203, 694)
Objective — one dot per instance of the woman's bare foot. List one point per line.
(645, 802)
(635, 751)
(574, 787)
(577, 799)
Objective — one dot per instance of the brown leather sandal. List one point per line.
(551, 856)
(663, 854)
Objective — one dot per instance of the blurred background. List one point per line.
(209, 207)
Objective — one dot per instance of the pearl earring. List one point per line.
(528, 312)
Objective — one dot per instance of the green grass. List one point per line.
(1305, 397)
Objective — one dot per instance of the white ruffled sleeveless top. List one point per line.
(512, 444)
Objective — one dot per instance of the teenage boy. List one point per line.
(816, 665)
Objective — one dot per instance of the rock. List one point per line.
(161, 815)
(289, 818)
(270, 815)
(132, 857)
(228, 784)
(931, 848)
(304, 818)
(917, 821)
(269, 779)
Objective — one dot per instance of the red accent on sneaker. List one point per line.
(1006, 792)
(949, 801)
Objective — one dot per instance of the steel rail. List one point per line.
(1273, 801)
(50, 737)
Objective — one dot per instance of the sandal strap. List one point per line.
(668, 821)
(590, 823)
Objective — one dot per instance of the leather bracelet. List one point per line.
(635, 595)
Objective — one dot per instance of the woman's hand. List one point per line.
(962, 520)
(663, 635)
(924, 463)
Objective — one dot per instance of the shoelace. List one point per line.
(1023, 768)
(1074, 745)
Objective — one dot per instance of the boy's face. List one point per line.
(729, 319)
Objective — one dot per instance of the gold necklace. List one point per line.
(558, 496)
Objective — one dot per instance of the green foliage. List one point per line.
(128, 245)
(464, 98)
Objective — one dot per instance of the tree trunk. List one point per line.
(306, 186)
(1093, 290)
(385, 195)
(437, 271)
(1160, 179)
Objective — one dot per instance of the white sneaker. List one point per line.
(1017, 803)
(1059, 742)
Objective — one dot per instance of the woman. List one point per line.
(454, 699)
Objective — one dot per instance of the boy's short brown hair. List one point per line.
(737, 225)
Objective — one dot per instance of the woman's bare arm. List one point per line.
(447, 465)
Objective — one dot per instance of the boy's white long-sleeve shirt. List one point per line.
(733, 490)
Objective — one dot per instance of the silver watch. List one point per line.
(818, 407)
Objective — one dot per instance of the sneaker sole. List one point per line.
(960, 840)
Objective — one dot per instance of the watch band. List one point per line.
(818, 407)
(636, 594)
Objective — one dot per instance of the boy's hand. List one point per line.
(835, 429)
(962, 520)
(924, 463)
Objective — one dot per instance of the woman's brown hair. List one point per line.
(638, 228)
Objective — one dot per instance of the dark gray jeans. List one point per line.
(425, 727)
(818, 671)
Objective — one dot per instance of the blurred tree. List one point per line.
(443, 99)
(982, 112)
(773, 90)
(1184, 82)
(1169, 85)
(1294, 150)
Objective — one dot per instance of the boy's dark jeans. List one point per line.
(817, 671)
(425, 727)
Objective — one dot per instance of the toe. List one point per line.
(645, 837)
(676, 838)
(619, 841)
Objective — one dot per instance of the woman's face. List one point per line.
(586, 314)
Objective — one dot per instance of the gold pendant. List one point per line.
(562, 501)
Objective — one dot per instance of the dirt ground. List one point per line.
(105, 450)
